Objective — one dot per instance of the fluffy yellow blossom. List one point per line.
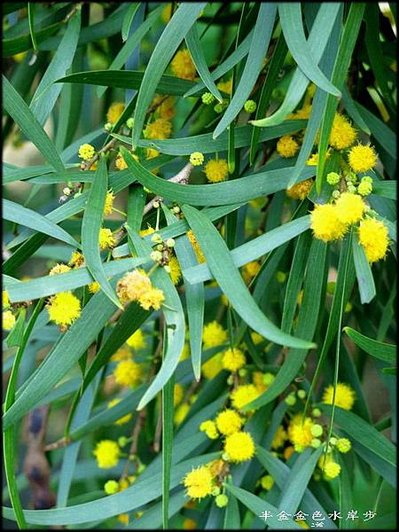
(287, 146)
(288, 452)
(256, 338)
(121, 354)
(86, 152)
(362, 158)
(280, 437)
(63, 308)
(175, 270)
(196, 158)
(209, 427)
(5, 299)
(158, 129)
(127, 373)
(344, 396)
(133, 285)
(122, 420)
(109, 202)
(166, 13)
(300, 432)
(225, 86)
(114, 112)
(151, 153)
(239, 447)
(373, 237)
(181, 413)
(94, 287)
(76, 260)
(342, 133)
(198, 483)
(153, 298)
(257, 379)
(250, 270)
(59, 268)
(197, 249)
(182, 65)
(123, 518)
(301, 114)
(165, 106)
(300, 190)
(213, 366)
(107, 454)
(314, 159)
(178, 394)
(267, 482)
(106, 239)
(8, 320)
(120, 162)
(189, 524)
(149, 231)
(213, 335)
(136, 340)
(229, 421)
(325, 223)
(243, 395)
(330, 468)
(216, 170)
(349, 208)
(233, 359)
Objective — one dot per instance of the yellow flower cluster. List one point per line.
(165, 107)
(213, 335)
(137, 340)
(63, 308)
(59, 268)
(287, 146)
(197, 249)
(198, 483)
(86, 152)
(342, 133)
(106, 239)
(196, 158)
(373, 237)
(182, 65)
(114, 112)
(225, 86)
(243, 395)
(122, 420)
(127, 373)
(158, 129)
(216, 170)
(175, 270)
(239, 447)
(362, 158)
(300, 190)
(137, 286)
(233, 359)
(107, 453)
(344, 396)
(300, 432)
(109, 202)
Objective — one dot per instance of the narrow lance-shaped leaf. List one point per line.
(380, 350)
(364, 274)
(230, 281)
(173, 34)
(91, 225)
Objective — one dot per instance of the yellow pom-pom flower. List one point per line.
(122, 420)
(373, 237)
(181, 413)
(300, 432)
(63, 308)
(344, 396)
(133, 285)
(8, 320)
(127, 373)
(225, 86)
(280, 437)
(86, 152)
(107, 454)
(300, 190)
(182, 65)
(153, 298)
(325, 223)
(175, 270)
(196, 158)
(114, 112)
(123, 353)
(342, 133)
(106, 239)
(136, 340)
(216, 170)
(229, 421)
(109, 202)
(233, 359)
(59, 268)
(198, 483)
(76, 260)
(209, 427)
(213, 366)
(5, 299)
(197, 249)
(213, 335)
(349, 208)
(329, 467)
(94, 287)
(239, 447)
(159, 129)
(362, 158)
(287, 146)
(267, 482)
(243, 395)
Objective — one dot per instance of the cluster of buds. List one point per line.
(72, 190)
(162, 250)
(350, 183)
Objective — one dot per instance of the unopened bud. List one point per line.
(130, 123)
(108, 126)
(170, 242)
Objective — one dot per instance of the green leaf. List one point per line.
(91, 225)
(232, 519)
(230, 281)
(228, 192)
(24, 42)
(386, 189)
(23, 116)
(206, 144)
(364, 274)
(259, 506)
(21, 215)
(167, 444)
(75, 341)
(317, 43)
(128, 19)
(254, 249)
(175, 323)
(15, 336)
(260, 43)
(341, 66)
(307, 320)
(127, 79)
(175, 31)
(197, 54)
(291, 24)
(380, 350)
(31, 18)
(47, 92)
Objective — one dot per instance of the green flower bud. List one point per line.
(315, 443)
(290, 399)
(111, 487)
(301, 394)
(316, 412)
(170, 243)
(352, 189)
(250, 106)
(281, 276)
(156, 238)
(215, 491)
(343, 445)
(316, 430)
(207, 98)
(130, 123)
(221, 500)
(365, 188)
(333, 178)
(108, 126)
(335, 194)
